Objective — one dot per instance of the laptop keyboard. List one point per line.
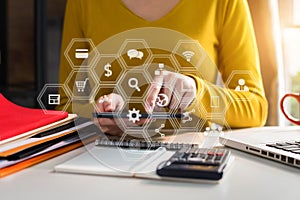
(293, 146)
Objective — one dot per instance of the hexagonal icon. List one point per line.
(167, 100)
(107, 93)
(206, 70)
(82, 84)
(134, 84)
(134, 116)
(214, 128)
(189, 120)
(244, 83)
(134, 52)
(189, 53)
(108, 69)
(213, 102)
(161, 127)
(81, 52)
(160, 63)
(53, 96)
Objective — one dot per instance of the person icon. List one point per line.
(242, 87)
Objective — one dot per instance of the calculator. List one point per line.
(195, 163)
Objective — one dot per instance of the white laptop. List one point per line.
(281, 144)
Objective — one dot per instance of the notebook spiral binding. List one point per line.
(137, 144)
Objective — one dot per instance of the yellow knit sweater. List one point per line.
(222, 27)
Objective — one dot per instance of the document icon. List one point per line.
(53, 99)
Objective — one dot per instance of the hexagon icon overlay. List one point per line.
(81, 52)
(214, 103)
(160, 63)
(133, 51)
(191, 52)
(193, 59)
(213, 130)
(103, 92)
(82, 84)
(51, 96)
(134, 84)
(241, 81)
(108, 69)
(132, 115)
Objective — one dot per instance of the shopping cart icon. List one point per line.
(80, 85)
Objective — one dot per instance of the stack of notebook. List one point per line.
(29, 136)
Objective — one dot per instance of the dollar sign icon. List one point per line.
(107, 69)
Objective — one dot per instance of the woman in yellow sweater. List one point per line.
(222, 27)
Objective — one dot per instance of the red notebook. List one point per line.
(15, 120)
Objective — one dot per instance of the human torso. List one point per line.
(194, 18)
(150, 10)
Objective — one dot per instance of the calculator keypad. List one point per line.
(195, 163)
(198, 156)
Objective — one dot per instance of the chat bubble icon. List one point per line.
(140, 55)
(132, 53)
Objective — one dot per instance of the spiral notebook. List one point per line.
(127, 158)
(144, 145)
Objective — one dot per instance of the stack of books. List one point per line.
(29, 136)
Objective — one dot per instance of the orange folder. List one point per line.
(43, 157)
(35, 160)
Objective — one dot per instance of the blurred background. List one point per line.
(30, 47)
(30, 37)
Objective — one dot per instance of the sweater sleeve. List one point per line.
(242, 99)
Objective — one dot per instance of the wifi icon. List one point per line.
(188, 55)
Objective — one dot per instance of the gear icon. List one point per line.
(134, 115)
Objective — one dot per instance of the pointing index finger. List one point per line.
(154, 90)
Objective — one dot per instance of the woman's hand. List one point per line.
(110, 103)
(179, 91)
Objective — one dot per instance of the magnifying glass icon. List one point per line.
(133, 83)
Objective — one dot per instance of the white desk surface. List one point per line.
(249, 177)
